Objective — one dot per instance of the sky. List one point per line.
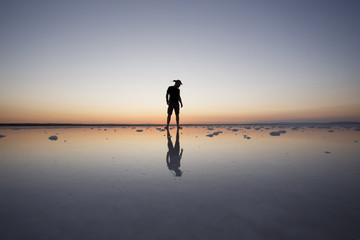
(239, 61)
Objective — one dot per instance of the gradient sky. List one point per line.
(239, 61)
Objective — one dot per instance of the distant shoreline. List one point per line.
(159, 125)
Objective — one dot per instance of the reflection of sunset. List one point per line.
(138, 181)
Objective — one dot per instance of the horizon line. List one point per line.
(157, 124)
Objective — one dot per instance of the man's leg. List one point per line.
(168, 120)
(169, 112)
(177, 120)
(177, 112)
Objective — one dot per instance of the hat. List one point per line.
(177, 81)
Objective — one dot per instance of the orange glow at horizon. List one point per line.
(25, 114)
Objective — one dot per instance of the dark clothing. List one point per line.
(173, 106)
(174, 94)
(173, 156)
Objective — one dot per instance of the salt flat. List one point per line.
(201, 182)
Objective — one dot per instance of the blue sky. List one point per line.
(239, 61)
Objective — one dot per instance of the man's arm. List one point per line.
(180, 101)
(181, 154)
(167, 97)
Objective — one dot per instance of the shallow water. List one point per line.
(122, 183)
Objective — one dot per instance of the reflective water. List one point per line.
(219, 182)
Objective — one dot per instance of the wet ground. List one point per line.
(201, 182)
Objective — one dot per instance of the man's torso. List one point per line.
(174, 94)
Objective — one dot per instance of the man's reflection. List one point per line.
(174, 155)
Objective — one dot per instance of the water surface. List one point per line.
(203, 182)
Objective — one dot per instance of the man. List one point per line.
(173, 156)
(172, 99)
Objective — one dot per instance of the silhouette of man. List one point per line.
(173, 156)
(173, 99)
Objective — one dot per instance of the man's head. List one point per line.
(177, 83)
